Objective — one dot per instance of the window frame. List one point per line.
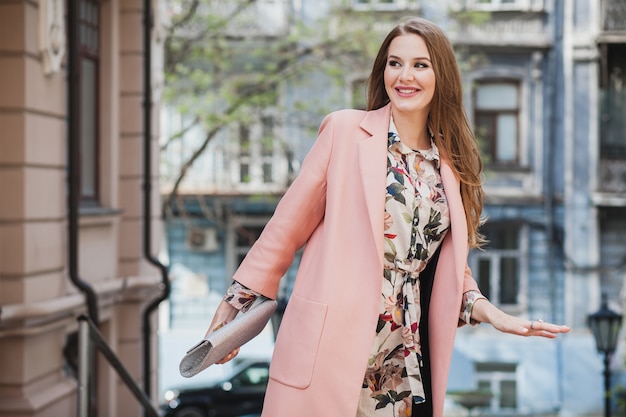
(261, 161)
(495, 378)
(492, 142)
(494, 256)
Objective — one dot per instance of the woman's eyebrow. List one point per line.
(412, 59)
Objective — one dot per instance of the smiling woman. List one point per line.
(386, 204)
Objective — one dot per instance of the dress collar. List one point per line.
(393, 142)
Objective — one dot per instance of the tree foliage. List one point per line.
(224, 61)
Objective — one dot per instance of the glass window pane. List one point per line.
(88, 127)
(495, 96)
(244, 172)
(267, 173)
(508, 280)
(508, 394)
(484, 277)
(484, 386)
(247, 235)
(244, 140)
(507, 138)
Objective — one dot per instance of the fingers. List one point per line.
(540, 328)
(228, 357)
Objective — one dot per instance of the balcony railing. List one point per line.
(613, 124)
(613, 141)
(614, 15)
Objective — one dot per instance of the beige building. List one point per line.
(45, 115)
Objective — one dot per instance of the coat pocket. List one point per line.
(298, 341)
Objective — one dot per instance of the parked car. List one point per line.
(239, 394)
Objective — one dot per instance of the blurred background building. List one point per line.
(544, 89)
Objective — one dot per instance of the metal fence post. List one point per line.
(83, 367)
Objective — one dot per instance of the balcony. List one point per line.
(504, 29)
(613, 142)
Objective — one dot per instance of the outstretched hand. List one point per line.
(524, 327)
(484, 311)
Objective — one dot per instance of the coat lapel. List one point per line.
(372, 165)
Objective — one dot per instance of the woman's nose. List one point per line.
(406, 73)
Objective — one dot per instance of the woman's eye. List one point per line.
(421, 65)
(393, 63)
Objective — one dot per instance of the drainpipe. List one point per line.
(147, 194)
(73, 164)
(73, 195)
(554, 78)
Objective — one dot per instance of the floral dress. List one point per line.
(416, 221)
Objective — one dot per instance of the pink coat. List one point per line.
(336, 207)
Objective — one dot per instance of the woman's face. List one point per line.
(409, 76)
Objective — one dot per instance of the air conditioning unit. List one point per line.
(202, 239)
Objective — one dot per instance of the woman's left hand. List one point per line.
(524, 327)
(484, 311)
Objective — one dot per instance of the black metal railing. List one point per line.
(89, 337)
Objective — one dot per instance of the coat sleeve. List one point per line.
(471, 293)
(298, 214)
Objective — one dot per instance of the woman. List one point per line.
(387, 203)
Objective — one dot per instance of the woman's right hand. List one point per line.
(224, 314)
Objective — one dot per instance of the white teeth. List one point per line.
(406, 91)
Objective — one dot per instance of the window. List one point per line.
(498, 4)
(496, 115)
(380, 4)
(246, 233)
(499, 379)
(89, 59)
(267, 148)
(256, 144)
(244, 153)
(498, 267)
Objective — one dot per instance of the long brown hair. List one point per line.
(447, 119)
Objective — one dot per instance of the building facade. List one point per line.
(544, 90)
(72, 214)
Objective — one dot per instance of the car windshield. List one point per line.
(255, 374)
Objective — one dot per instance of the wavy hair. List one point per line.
(447, 119)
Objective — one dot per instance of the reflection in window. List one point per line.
(496, 106)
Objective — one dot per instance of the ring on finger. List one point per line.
(532, 323)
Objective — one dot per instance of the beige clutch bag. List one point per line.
(232, 335)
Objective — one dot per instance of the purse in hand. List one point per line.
(224, 340)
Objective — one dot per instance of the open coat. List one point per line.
(336, 207)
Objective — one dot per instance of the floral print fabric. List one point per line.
(416, 221)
